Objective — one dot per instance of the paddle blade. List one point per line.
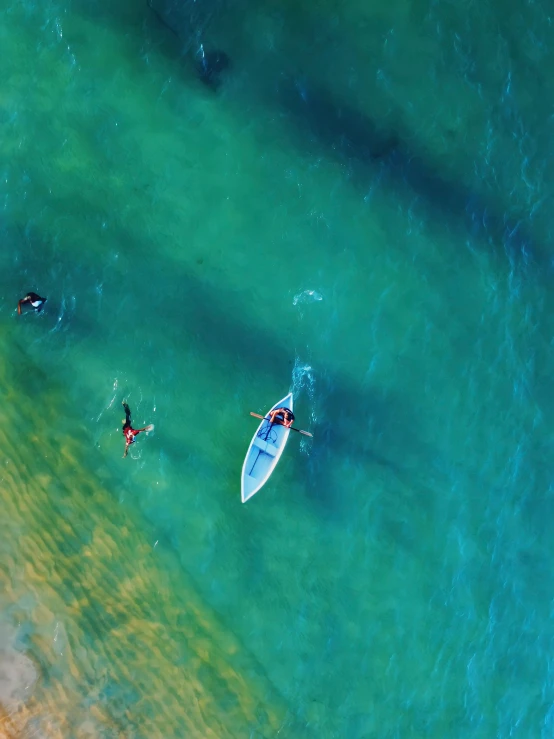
(150, 427)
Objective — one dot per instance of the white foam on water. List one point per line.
(303, 384)
(307, 296)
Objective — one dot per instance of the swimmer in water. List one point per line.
(128, 431)
(31, 299)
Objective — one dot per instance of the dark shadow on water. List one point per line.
(353, 137)
(341, 130)
(360, 433)
(364, 143)
(209, 64)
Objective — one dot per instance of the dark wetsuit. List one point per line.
(127, 422)
(34, 300)
(128, 431)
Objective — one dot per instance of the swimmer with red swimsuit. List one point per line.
(128, 431)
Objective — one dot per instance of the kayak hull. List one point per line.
(264, 452)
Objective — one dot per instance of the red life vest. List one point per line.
(130, 434)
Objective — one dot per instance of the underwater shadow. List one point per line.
(209, 65)
(345, 132)
(349, 135)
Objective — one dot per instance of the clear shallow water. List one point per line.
(393, 578)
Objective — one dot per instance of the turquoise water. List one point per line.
(360, 214)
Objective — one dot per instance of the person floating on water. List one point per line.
(128, 431)
(33, 299)
(282, 417)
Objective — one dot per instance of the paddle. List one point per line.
(306, 433)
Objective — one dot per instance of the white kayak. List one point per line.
(264, 452)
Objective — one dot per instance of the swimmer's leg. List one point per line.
(127, 410)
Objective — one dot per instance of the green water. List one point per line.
(359, 214)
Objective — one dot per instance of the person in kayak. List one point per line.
(33, 299)
(128, 431)
(282, 417)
